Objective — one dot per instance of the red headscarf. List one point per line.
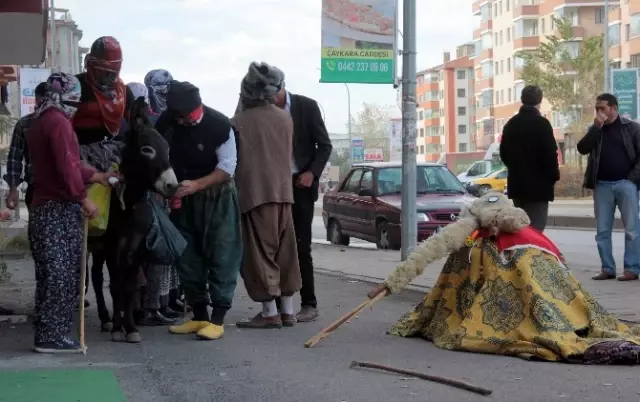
(103, 66)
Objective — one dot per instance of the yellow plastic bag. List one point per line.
(101, 196)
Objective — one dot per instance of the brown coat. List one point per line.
(264, 140)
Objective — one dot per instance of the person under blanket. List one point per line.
(511, 293)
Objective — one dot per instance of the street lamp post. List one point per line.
(349, 126)
(607, 69)
(409, 117)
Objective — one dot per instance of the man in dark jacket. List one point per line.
(529, 151)
(613, 173)
(311, 151)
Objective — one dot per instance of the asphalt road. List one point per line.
(273, 365)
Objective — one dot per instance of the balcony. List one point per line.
(475, 6)
(615, 14)
(578, 32)
(484, 26)
(484, 83)
(615, 52)
(485, 54)
(526, 11)
(430, 104)
(526, 42)
(484, 112)
(432, 122)
(433, 139)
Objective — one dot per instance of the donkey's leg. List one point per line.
(97, 277)
(116, 287)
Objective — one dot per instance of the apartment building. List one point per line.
(507, 27)
(624, 34)
(446, 110)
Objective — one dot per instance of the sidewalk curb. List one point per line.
(557, 222)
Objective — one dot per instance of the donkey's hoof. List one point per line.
(117, 336)
(134, 337)
(106, 327)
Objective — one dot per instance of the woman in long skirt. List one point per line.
(57, 219)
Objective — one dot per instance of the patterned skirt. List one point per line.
(55, 228)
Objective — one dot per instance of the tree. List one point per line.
(372, 124)
(570, 79)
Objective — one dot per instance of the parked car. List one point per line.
(495, 181)
(367, 203)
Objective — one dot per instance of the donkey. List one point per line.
(145, 168)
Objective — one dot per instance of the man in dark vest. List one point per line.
(203, 156)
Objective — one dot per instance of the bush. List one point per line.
(570, 184)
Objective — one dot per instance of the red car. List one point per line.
(366, 204)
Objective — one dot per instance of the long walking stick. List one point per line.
(346, 317)
(83, 278)
(427, 377)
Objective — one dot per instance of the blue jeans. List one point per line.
(607, 196)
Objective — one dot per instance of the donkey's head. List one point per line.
(145, 163)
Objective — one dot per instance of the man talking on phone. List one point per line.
(613, 173)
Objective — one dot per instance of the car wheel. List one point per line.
(484, 189)
(383, 239)
(335, 236)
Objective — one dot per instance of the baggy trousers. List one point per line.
(210, 223)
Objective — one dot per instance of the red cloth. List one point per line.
(57, 171)
(525, 237)
(103, 69)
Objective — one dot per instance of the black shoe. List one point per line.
(155, 318)
(168, 312)
(64, 346)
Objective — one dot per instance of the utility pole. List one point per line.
(409, 116)
(607, 69)
(53, 36)
(349, 113)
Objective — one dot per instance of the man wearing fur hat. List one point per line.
(203, 156)
(265, 141)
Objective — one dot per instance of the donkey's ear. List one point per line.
(139, 117)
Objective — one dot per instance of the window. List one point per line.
(352, 185)
(497, 68)
(501, 175)
(508, 34)
(599, 15)
(614, 34)
(502, 96)
(542, 28)
(367, 180)
(477, 169)
(422, 149)
(501, 66)
(501, 7)
(462, 129)
(461, 74)
(507, 4)
(501, 37)
(509, 64)
(486, 41)
(627, 31)
(509, 95)
(495, 12)
(462, 111)
(463, 147)
(436, 179)
(421, 115)
(422, 132)
(461, 92)
(485, 12)
(635, 25)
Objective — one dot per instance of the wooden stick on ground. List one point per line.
(346, 317)
(83, 279)
(441, 380)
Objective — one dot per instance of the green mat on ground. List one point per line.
(60, 386)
